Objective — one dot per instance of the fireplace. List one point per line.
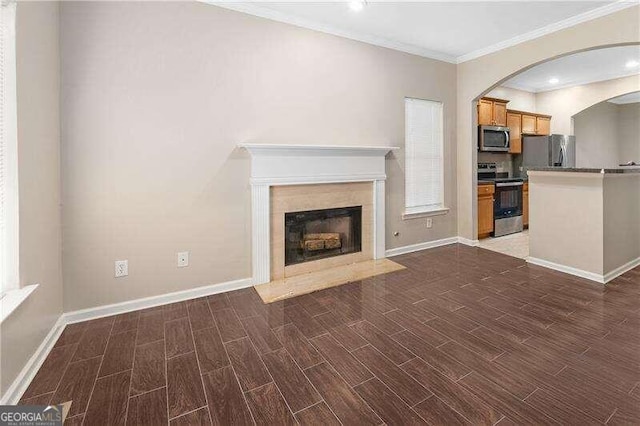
(319, 234)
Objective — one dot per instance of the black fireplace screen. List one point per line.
(318, 234)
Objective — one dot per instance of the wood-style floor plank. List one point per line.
(229, 325)
(185, 391)
(247, 364)
(227, 405)
(318, 414)
(389, 407)
(392, 376)
(210, 349)
(199, 417)
(49, 375)
(76, 384)
(148, 409)
(298, 346)
(118, 355)
(108, 403)
(179, 339)
(339, 396)
(268, 407)
(345, 363)
(149, 368)
(150, 328)
(291, 381)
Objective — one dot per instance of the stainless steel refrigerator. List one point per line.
(548, 151)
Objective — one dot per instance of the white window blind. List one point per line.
(424, 161)
(8, 151)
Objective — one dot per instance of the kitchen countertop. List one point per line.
(584, 170)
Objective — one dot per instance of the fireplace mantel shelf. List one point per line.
(263, 149)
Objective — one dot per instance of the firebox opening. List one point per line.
(318, 234)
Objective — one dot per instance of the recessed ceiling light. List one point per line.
(554, 80)
(632, 64)
(356, 6)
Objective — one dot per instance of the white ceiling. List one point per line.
(580, 68)
(630, 98)
(453, 31)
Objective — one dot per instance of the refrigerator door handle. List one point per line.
(560, 157)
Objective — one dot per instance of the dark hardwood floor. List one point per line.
(462, 336)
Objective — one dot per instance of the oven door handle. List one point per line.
(503, 184)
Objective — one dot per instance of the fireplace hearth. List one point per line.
(319, 234)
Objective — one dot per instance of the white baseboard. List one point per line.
(468, 242)
(567, 269)
(420, 246)
(21, 383)
(599, 278)
(621, 270)
(150, 302)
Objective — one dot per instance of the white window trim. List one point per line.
(417, 212)
(9, 218)
(14, 298)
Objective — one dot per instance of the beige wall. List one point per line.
(566, 219)
(478, 76)
(155, 97)
(518, 99)
(629, 132)
(621, 224)
(597, 139)
(585, 221)
(563, 104)
(38, 150)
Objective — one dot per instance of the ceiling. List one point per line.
(452, 31)
(630, 98)
(580, 68)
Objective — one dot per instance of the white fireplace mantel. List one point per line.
(278, 164)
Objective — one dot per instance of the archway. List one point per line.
(468, 160)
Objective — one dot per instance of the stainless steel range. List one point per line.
(507, 201)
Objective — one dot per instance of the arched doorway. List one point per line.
(578, 101)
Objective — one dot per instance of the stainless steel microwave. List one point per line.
(493, 138)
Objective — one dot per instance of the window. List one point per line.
(8, 152)
(424, 158)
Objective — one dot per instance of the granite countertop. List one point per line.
(585, 170)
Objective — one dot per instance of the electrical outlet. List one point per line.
(122, 268)
(183, 259)
(429, 223)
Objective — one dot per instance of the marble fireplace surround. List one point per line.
(275, 165)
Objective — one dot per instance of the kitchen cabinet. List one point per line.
(543, 125)
(485, 210)
(514, 123)
(528, 124)
(492, 112)
(485, 112)
(525, 204)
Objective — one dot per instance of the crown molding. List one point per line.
(262, 12)
(551, 28)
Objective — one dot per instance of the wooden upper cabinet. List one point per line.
(543, 125)
(492, 112)
(500, 113)
(485, 112)
(528, 124)
(514, 122)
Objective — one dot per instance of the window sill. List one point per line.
(427, 213)
(14, 298)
